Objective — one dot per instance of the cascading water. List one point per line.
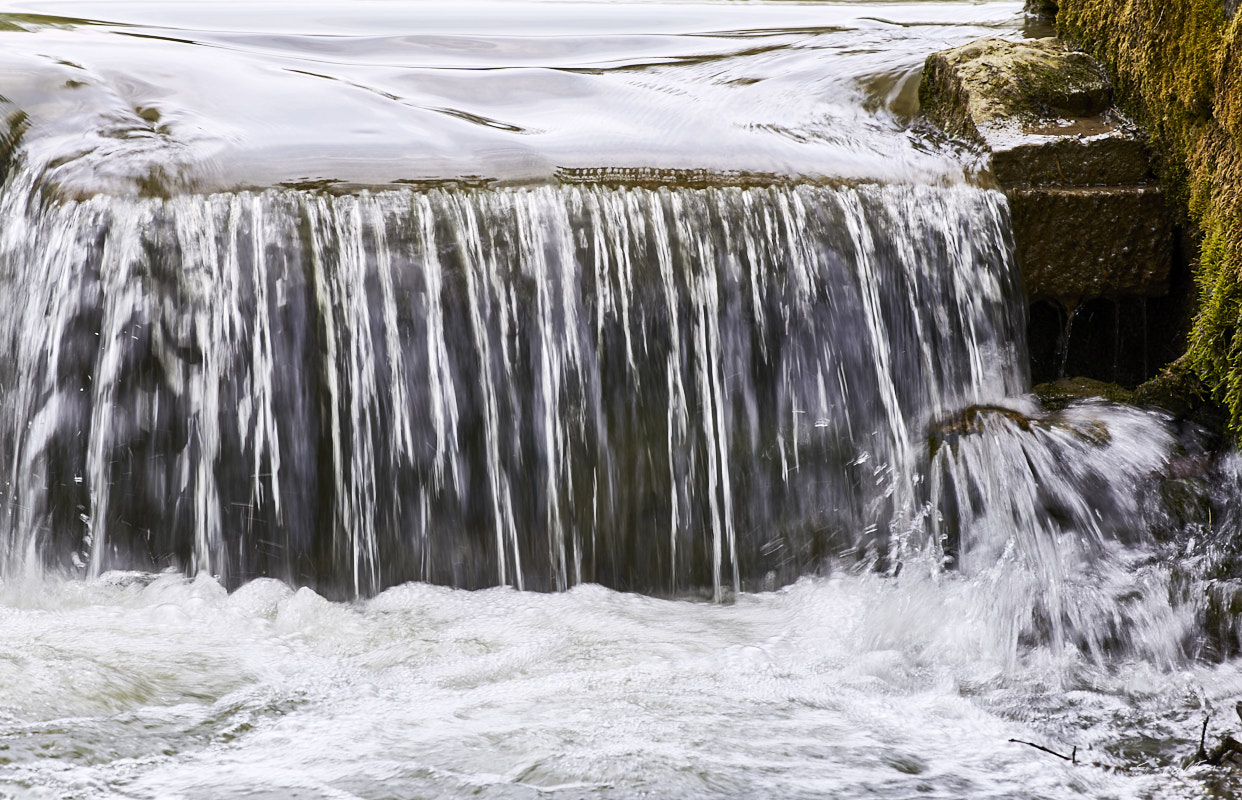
(594, 298)
(652, 389)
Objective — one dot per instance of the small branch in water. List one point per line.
(1228, 752)
(1072, 757)
(1201, 755)
(1228, 746)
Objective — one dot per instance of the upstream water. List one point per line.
(559, 399)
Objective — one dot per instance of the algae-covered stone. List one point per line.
(1056, 395)
(1188, 501)
(970, 421)
(1084, 152)
(948, 431)
(1220, 614)
(1177, 389)
(1181, 392)
(999, 83)
(1040, 109)
(1177, 67)
(1087, 223)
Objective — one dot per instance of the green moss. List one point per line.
(12, 129)
(1055, 86)
(996, 80)
(1176, 66)
(1059, 394)
(1177, 389)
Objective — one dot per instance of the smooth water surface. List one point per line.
(160, 97)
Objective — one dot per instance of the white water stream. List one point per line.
(833, 687)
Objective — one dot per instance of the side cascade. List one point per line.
(659, 390)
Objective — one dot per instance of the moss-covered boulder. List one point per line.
(1179, 390)
(1056, 395)
(992, 84)
(948, 431)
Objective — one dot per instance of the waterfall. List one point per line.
(676, 316)
(657, 389)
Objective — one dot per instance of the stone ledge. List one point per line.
(1082, 153)
(1080, 243)
(996, 86)
(1087, 224)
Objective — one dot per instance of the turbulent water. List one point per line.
(329, 333)
(830, 688)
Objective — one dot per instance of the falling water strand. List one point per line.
(655, 389)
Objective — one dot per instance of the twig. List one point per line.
(1201, 756)
(1228, 746)
(1072, 757)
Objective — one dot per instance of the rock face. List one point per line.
(1088, 222)
(1177, 69)
(1085, 242)
(995, 85)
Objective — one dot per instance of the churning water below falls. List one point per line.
(560, 399)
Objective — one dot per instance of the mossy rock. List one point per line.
(1177, 68)
(1093, 152)
(1077, 243)
(974, 420)
(1056, 395)
(1179, 390)
(1220, 616)
(1086, 222)
(969, 421)
(997, 82)
(1188, 501)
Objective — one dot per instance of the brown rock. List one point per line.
(1094, 152)
(1076, 243)
(1087, 224)
(999, 85)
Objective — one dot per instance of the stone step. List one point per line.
(1078, 243)
(1085, 152)
(1088, 223)
(1001, 85)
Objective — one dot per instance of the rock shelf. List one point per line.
(1089, 222)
